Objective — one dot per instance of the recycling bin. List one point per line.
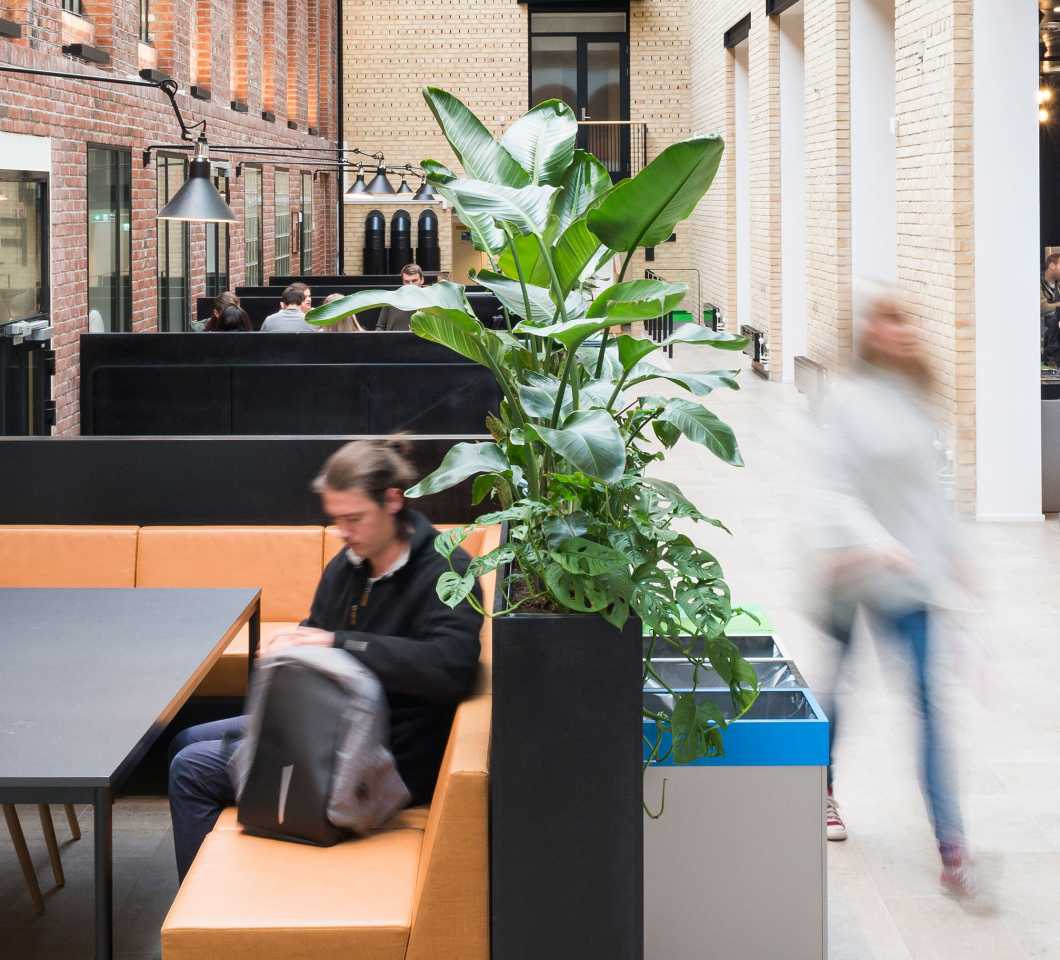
(735, 865)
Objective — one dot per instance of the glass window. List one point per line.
(173, 312)
(23, 246)
(109, 239)
(252, 226)
(307, 223)
(602, 21)
(217, 242)
(554, 69)
(282, 212)
(73, 6)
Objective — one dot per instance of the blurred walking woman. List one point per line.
(890, 541)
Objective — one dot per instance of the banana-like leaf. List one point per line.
(571, 334)
(574, 252)
(525, 208)
(462, 461)
(694, 333)
(409, 297)
(583, 183)
(643, 211)
(699, 384)
(461, 333)
(485, 234)
(704, 427)
(481, 156)
(510, 293)
(590, 441)
(538, 396)
(638, 300)
(534, 269)
(541, 141)
(631, 350)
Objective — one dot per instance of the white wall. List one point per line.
(1008, 407)
(874, 204)
(792, 188)
(25, 153)
(743, 189)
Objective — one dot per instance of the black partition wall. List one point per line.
(192, 480)
(295, 384)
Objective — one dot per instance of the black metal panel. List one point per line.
(774, 7)
(316, 384)
(739, 32)
(566, 822)
(186, 480)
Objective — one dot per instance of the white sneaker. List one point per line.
(834, 825)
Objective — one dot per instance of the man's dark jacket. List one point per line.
(424, 653)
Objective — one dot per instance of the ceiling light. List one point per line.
(1043, 115)
(379, 183)
(425, 193)
(1045, 94)
(198, 200)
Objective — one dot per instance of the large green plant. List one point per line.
(588, 530)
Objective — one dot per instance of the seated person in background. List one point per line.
(222, 302)
(1050, 301)
(349, 325)
(295, 303)
(393, 319)
(231, 320)
(376, 600)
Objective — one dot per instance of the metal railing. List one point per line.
(620, 145)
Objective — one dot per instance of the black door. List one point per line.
(582, 58)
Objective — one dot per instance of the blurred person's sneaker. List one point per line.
(958, 873)
(834, 826)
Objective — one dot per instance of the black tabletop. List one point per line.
(88, 676)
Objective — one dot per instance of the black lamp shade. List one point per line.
(379, 183)
(424, 193)
(198, 200)
(358, 185)
(404, 187)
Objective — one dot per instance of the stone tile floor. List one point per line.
(884, 899)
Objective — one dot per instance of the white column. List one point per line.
(743, 187)
(1007, 365)
(792, 185)
(873, 163)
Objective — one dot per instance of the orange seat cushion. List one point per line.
(228, 677)
(411, 818)
(283, 561)
(248, 898)
(44, 555)
(473, 544)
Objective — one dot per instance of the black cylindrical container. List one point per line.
(400, 240)
(374, 243)
(428, 252)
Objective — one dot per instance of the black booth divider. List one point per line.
(172, 384)
(191, 480)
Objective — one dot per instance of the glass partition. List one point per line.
(109, 240)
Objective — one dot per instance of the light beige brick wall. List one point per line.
(355, 217)
(479, 50)
(933, 50)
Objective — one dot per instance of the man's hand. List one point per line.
(299, 637)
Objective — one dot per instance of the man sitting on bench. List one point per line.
(377, 600)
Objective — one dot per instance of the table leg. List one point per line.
(254, 637)
(104, 875)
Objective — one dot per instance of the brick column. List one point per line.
(828, 279)
(312, 55)
(764, 128)
(933, 53)
(327, 92)
(203, 41)
(297, 68)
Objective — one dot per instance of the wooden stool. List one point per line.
(22, 852)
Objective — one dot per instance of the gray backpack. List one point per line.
(314, 765)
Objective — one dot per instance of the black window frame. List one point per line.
(145, 21)
(218, 280)
(120, 295)
(305, 253)
(258, 279)
(43, 179)
(281, 263)
(163, 161)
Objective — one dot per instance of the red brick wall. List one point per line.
(74, 113)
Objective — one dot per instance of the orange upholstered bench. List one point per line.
(417, 890)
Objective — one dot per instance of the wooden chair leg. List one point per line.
(48, 827)
(71, 818)
(17, 838)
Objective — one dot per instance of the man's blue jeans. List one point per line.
(911, 630)
(199, 788)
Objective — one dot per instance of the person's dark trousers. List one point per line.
(199, 787)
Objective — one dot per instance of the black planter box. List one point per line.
(567, 831)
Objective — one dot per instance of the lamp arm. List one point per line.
(169, 88)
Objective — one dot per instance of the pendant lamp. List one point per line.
(198, 200)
